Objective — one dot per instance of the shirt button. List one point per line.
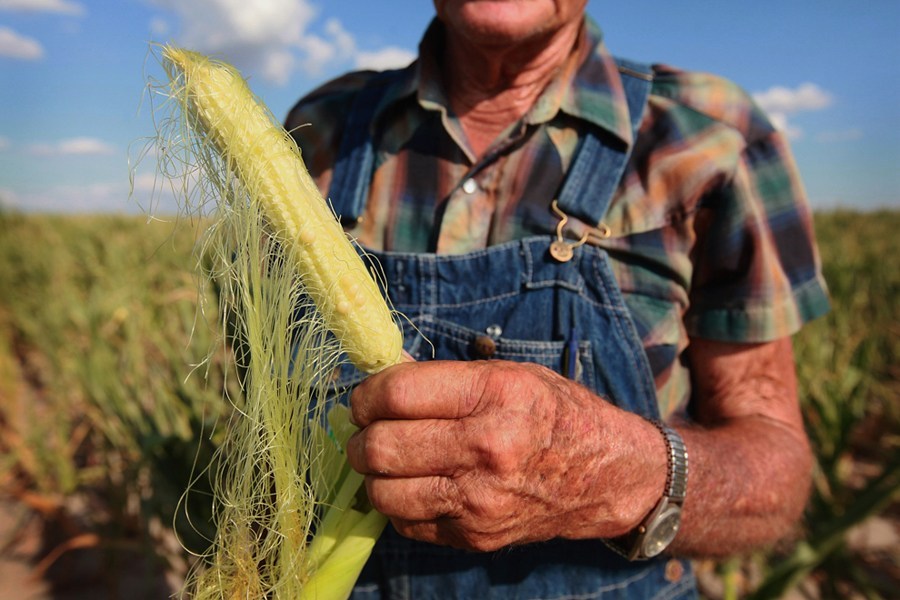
(469, 186)
(484, 347)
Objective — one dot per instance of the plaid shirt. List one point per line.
(711, 234)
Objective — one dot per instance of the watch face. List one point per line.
(662, 531)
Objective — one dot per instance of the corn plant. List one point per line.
(99, 326)
(848, 373)
(300, 298)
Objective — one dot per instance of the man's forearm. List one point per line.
(748, 484)
(750, 462)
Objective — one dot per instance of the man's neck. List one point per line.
(491, 88)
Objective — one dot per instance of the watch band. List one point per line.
(676, 475)
(668, 509)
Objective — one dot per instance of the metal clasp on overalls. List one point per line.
(560, 249)
(563, 251)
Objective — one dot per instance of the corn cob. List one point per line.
(275, 478)
(267, 160)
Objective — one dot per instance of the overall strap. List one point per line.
(353, 169)
(586, 193)
(595, 173)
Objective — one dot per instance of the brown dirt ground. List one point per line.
(95, 570)
(114, 571)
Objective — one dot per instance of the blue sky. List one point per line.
(73, 72)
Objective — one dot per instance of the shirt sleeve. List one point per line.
(757, 273)
(316, 122)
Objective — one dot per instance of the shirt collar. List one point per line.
(588, 87)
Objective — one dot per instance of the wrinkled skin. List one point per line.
(483, 455)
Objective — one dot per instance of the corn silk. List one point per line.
(295, 301)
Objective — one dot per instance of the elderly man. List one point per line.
(626, 251)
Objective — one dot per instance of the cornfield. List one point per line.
(111, 390)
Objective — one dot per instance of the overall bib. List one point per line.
(513, 301)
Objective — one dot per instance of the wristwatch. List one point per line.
(659, 528)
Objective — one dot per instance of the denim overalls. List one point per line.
(513, 301)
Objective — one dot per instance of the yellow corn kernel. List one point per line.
(268, 163)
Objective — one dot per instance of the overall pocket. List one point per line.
(433, 339)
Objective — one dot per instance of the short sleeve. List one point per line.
(757, 273)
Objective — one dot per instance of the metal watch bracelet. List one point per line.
(659, 527)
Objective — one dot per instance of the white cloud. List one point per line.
(253, 35)
(15, 45)
(159, 27)
(62, 7)
(8, 198)
(5, 144)
(806, 96)
(146, 182)
(278, 66)
(781, 102)
(85, 145)
(386, 58)
(317, 52)
(780, 122)
(79, 146)
(342, 39)
(99, 197)
(153, 194)
(95, 197)
(273, 39)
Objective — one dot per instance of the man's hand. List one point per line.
(483, 455)
(486, 454)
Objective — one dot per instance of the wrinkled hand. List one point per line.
(481, 455)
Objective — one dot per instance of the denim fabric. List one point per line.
(529, 304)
